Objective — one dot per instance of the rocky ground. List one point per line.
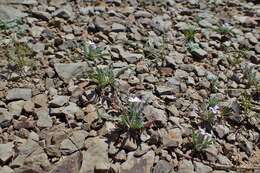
(129, 86)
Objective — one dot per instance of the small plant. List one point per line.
(91, 51)
(246, 103)
(250, 75)
(103, 77)
(5, 25)
(214, 83)
(189, 34)
(19, 54)
(132, 117)
(213, 104)
(151, 49)
(201, 140)
(192, 46)
(225, 30)
(225, 111)
(211, 110)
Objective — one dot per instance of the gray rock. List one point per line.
(36, 31)
(22, 2)
(223, 160)
(28, 106)
(100, 24)
(71, 163)
(5, 118)
(8, 13)
(24, 150)
(44, 120)
(96, 156)
(160, 24)
(117, 27)
(193, 2)
(57, 3)
(67, 71)
(170, 61)
(64, 12)
(175, 84)
(130, 145)
(74, 143)
(172, 137)
(144, 14)
(142, 149)
(138, 165)
(41, 15)
(38, 158)
(6, 169)
(257, 48)
(186, 166)
(173, 110)
(121, 156)
(212, 153)
(201, 168)
(246, 146)
(205, 23)
(252, 39)
(164, 90)
(71, 110)
(59, 101)
(6, 151)
(154, 114)
(19, 94)
(40, 100)
(190, 81)
(16, 107)
(131, 57)
(181, 74)
(221, 130)
(199, 53)
(162, 167)
(200, 71)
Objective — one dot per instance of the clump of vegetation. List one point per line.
(225, 111)
(192, 46)
(246, 103)
(189, 34)
(201, 140)
(225, 30)
(211, 110)
(236, 56)
(103, 77)
(250, 75)
(132, 117)
(214, 83)
(151, 51)
(5, 25)
(91, 51)
(20, 54)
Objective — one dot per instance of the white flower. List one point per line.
(204, 133)
(135, 100)
(214, 109)
(227, 25)
(92, 44)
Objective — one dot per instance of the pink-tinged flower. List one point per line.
(214, 109)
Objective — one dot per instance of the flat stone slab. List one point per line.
(19, 94)
(67, 71)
